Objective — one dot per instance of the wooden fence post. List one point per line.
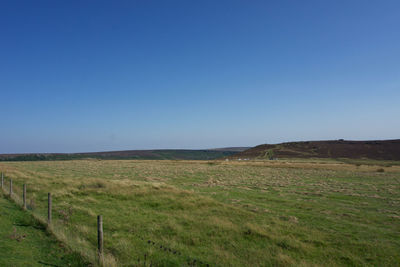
(24, 196)
(100, 237)
(2, 180)
(10, 187)
(49, 208)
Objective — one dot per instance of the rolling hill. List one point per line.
(377, 149)
(159, 154)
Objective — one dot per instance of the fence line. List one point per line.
(100, 241)
(14, 198)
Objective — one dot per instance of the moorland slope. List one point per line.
(376, 149)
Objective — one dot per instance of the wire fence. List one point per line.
(22, 197)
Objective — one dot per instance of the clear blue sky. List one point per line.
(110, 75)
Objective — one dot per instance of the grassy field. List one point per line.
(266, 213)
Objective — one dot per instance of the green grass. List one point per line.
(24, 242)
(275, 213)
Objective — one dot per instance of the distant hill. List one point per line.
(174, 154)
(380, 150)
(231, 149)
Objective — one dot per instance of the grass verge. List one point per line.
(25, 242)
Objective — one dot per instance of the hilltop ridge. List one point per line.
(374, 149)
(157, 154)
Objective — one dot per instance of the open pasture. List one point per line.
(217, 213)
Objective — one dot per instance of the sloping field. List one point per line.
(174, 213)
(378, 150)
(24, 242)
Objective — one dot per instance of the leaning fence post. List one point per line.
(100, 237)
(49, 208)
(10, 187)
(2, 179)
(24, 196)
